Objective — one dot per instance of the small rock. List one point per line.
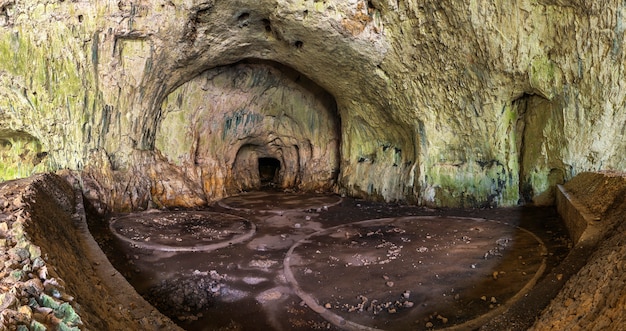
(33, 286)
(35, 251)
(422, 249)
(429, 325)
(493, 300)
(389, 284)
(18, 254)
(26, 311)
(43, 273)
(4, 228)
(559, 277)
(328, 306)
(6, 300)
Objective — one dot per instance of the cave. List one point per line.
(298, 165)
(245, 114)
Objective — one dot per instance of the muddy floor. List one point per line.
(275, 261)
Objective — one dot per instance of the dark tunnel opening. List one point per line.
(269, 168)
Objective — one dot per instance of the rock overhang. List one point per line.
(428, 94)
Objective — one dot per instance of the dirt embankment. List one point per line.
(593, 298)
(52, 273)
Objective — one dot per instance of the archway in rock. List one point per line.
(224, 125)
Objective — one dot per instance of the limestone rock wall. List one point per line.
(448, 103)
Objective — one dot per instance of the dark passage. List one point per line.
(268, 170)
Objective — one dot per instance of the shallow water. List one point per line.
(313, 261)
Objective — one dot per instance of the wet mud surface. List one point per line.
(322, 262)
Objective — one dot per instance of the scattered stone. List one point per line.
(7, 300)
(328, 305)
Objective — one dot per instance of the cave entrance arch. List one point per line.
(255, 122)
(269, 168)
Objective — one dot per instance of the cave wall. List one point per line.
(446, 103)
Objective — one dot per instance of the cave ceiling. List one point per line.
(447, 103)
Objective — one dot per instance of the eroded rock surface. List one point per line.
(451, 103)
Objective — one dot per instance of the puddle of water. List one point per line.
(394, 273)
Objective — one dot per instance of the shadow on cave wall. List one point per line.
(540, 160)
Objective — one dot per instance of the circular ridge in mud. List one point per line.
(275, 202)
(415, 273)
(182, 231)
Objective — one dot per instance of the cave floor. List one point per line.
(276, 261)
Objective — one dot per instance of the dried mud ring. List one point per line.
(188, 231)
(415, 273)
(276, 202)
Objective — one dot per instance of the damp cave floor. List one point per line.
(283, 261)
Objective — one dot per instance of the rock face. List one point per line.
(447, 103)
(224, 124)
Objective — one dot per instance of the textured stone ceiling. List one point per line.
(447, 103)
